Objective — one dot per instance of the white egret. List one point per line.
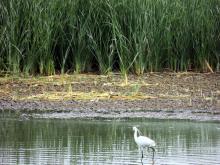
(143, 142)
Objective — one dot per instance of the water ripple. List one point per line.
(69, 142)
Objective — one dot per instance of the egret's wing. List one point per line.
(146, 142)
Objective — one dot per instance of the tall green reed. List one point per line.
(101, 35)
(137, 36)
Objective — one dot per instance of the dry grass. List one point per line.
(95, 87)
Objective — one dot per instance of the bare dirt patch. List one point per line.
(161, 95)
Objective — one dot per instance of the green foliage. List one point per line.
(44, 36)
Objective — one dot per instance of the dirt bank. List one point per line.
(158, 95)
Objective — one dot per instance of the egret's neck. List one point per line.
(135, 135)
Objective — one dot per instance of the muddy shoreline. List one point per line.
(107, 110)
(162, 96)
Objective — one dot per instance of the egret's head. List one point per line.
(134, 128)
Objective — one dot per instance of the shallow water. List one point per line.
(106, 142)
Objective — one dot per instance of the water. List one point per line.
(106, 142)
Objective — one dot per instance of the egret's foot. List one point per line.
(153, 162)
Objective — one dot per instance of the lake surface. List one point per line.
(106, 142)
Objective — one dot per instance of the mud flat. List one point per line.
(190, 96)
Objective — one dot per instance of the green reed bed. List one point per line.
(44, 36)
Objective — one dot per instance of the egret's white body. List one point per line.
(143, 141)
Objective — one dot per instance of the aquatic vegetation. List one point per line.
(137, 36)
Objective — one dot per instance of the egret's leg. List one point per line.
(153, 149)
(142, 154)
